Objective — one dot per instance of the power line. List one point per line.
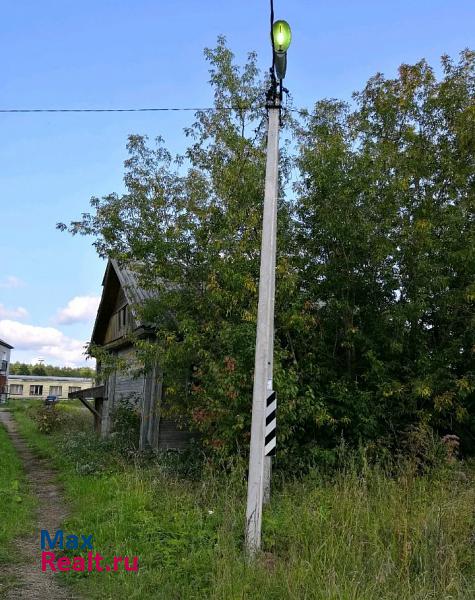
(150, 109)
(113, 110)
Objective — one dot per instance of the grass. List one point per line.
(16, 506)
(363, 534)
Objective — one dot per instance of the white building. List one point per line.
(41, 386)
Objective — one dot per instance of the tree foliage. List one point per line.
(375, 267)
(386, 239)
(18, 368)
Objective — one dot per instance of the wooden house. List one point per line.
(116, 320)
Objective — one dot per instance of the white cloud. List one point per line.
(78, 310)
(15, 313)
(11, 282)
(47, 342)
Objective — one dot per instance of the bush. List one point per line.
(424, 449)
(48, 418)
(89, 454)
(126, 424)
(187, 464)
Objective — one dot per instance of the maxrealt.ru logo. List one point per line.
(82, 543)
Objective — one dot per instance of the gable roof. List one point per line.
(5, 345)
(129, 281)
(117, 277)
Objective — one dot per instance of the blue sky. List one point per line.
(106, 53)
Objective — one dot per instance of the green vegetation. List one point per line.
(375, 272)
(399, 531)
(18, 368)
(374, 346)
(15, 505)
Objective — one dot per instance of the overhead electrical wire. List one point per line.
(155, 109)
(129, 110)
(108, 110)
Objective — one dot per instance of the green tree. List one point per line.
(375, 270)
(192, 228)
(38, 370)
(56, 371)
(18, 368)
(386, 232)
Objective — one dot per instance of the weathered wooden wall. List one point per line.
(172, 438)
(146, 392)
(122, 386)
(150, 413)
(129, 385)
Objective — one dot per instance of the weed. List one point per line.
(365, 531)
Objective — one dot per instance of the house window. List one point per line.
(16, 389)
(73, 388)
(55, 390)
(36, 390)
(122, 316)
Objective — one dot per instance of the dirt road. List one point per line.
(33, 584)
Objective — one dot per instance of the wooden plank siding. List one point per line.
(86, 394)
(120, 324)
(145, 391)
(118, 316)
(150, 413)
(172, 438)
(122, 386)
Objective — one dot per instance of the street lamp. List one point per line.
(264, 401)
(281, 38)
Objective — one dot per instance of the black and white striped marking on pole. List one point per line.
(271, 425)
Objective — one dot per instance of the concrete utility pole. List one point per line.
(259, 464)
(264, 339)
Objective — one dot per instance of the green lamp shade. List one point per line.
(282, 36)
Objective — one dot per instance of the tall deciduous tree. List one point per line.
(18, 368)
(375, 269)
(387, 255)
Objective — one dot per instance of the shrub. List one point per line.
(424, 449)
(48, 418)
(126, 423)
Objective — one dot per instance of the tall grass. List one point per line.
(16, 506)
(365, 533)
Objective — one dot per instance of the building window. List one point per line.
(16, 389)
(73, 388)
(55, 390)
(36, 390)
(122, 317)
